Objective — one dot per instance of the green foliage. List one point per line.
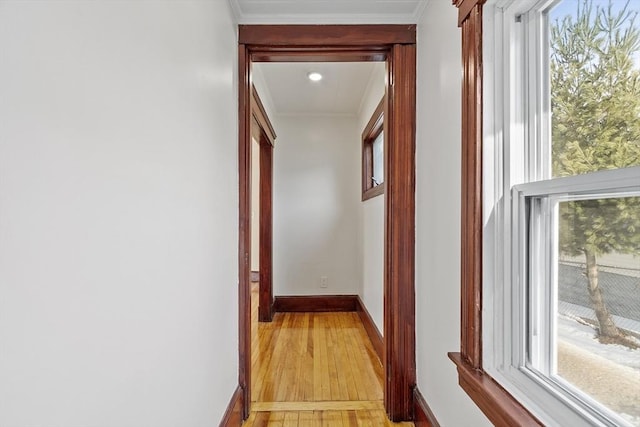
(596, 121)
(600, 226)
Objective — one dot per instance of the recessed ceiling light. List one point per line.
(314, 76)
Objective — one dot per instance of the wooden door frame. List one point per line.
(396, 45)
(262, 131)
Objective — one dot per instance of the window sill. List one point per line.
(373, 192)
(494, 401)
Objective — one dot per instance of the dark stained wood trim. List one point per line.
(494, 401)
(471, 209)
(399, 251)
(370, 326)
(465, 7)
(315, 303)
(422, 414)
(374, 126)
(326, 35)
(284, 54)
(373, 192)
(256, 130)
(265, 294)
(398, 44)
(260, 114)
(233, 415)
(371, 131)
(244, 230)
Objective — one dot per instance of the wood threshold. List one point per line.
(422, 414)
(334, 405)
(370, 326)
(495, 402)
(233, 415)
(315, 303)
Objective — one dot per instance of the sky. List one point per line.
(570, 7)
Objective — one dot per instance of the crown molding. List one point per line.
(419, 12)
(236, 11)
(326, 18)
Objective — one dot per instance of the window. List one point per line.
(561, 268)
(373, 155)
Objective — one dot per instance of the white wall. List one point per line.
(118, 213)
(316, 202)
(438, 216)
(372, 216)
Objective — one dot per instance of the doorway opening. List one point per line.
(395, 45)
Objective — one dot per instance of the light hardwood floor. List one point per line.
(314, 369)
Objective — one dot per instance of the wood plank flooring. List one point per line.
(368, 418)
(315, 369)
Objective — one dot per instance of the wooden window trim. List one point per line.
(373, 129)
(259, 114)
(500, 407)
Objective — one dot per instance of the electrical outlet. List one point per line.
(324, 281)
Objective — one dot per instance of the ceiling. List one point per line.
(340, 92)
(327, 11)
(286, 85)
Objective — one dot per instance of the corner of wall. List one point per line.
(438, 195)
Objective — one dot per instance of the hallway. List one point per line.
(314, 369)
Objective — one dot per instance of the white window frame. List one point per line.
(516, 166)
